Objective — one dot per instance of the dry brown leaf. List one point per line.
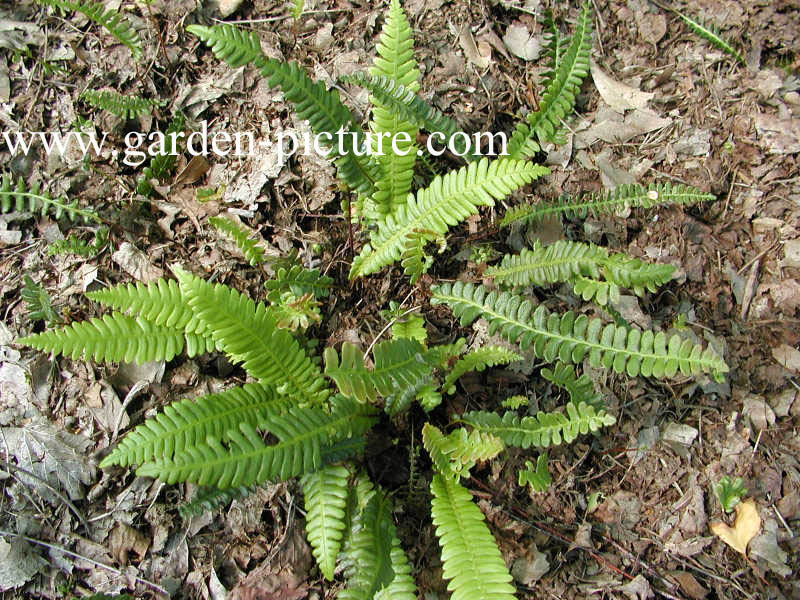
(787, 356)
(744, 529)
(616, 94)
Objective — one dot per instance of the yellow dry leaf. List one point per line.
(744, 529)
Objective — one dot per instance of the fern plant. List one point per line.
(20, 197)
(300, 416)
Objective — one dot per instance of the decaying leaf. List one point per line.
(787, 356)
(617, 95)
(744, 529)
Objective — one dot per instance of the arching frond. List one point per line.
(20, 197)
(446, 202)
(559, 96)
(560, 261)
(189, 423)
(623, 196)
(322, 108)
(472, 562)
(712, 34)
(542, 430)
(112, 338)
(242, 458)
(300, 281)
(569, 338)
(248, 333)
(369, 564)
(121, 105)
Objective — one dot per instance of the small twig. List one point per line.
(12, 467)
(150, 584)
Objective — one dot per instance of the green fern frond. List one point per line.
(242, 458)
(322, 108)
(560, 261)
(455, 454)
(624, 196)
(112, 338)
(569, 338)
(230, 44)
(555, 47)
(20, 198)
(448, 201)
(515, 402)
(399, 365)
(395, 62)
(412, 109)
(472, 561)
(37, 301)
(188, 423)
(537, 476)
(544, 429)
(402, 586)
(300, 281)
(711, 34)
(252, 252)
(580, 389)
(159, 302)
(325, 494)
(162, 164)
(125, 107)
(559, 96)
(413, 258)
(368, 558)
(575, 261)
(112, 20)
(478, 360)
(211, 498)
(248, 333)
(601, 292)
(72, 244)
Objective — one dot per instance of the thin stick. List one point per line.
(157, 588)
(389, 324)
(12, 467)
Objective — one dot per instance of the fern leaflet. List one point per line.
(114, 338)
(472, 562)
(322, 108)
(712, 35)
(188, 423)
(241, 458)
(399, 364)
(580, 389)
(299, 281)
(37, 301)
(537, 476)
(248, 333)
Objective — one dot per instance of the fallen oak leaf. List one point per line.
(744, 529)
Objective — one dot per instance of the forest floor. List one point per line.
(628, 514)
